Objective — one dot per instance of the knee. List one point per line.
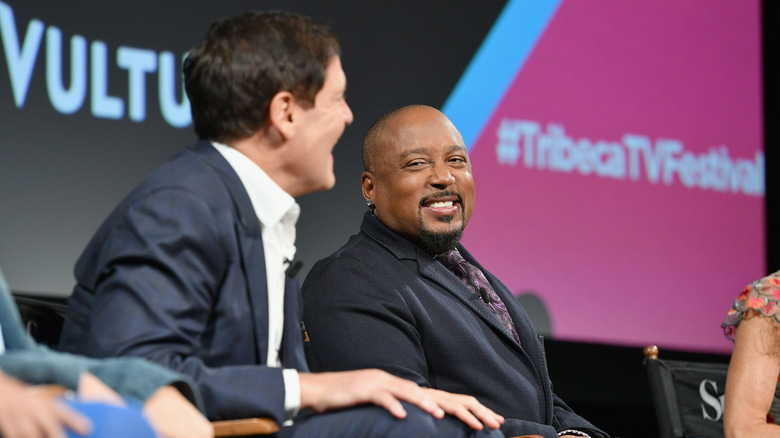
(421, 424)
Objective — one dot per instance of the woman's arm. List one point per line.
(752, 378)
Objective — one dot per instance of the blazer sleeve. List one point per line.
(156, 279)
(369, 328)
(566, 418)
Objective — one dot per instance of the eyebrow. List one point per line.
(457, 147)
(416, 151)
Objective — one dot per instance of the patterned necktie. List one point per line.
(475, 280)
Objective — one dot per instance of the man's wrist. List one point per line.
(573, 432)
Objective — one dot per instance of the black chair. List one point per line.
(687, 396)
(42, 315)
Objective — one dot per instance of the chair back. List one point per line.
(42, 316)
(687, 396)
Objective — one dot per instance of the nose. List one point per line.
(441, 177)
(347, 112)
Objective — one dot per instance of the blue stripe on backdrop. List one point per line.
(496, 64)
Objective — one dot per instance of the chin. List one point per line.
(318, 186)
(444, 223)
(450, 228)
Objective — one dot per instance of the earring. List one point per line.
(371, 206)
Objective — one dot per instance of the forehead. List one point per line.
(423, 130)
(335, 78)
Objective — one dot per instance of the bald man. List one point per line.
(405, 296)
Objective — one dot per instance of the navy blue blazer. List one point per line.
(382, 302)
(176, 274)
(24, 359)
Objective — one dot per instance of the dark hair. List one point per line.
(244, 61)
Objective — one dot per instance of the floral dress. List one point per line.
(763, 296)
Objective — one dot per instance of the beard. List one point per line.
(435, 242)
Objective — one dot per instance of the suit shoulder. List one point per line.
(358, 256)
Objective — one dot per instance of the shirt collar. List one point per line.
(270, 202)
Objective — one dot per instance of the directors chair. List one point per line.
(687, 396)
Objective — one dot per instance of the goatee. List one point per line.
(436, 243)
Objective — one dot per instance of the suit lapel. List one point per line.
(531, 343)
(430, 269)
(438, 273)
(528, 336)
(293, 352)
(250, 243)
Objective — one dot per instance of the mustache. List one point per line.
(439, 195)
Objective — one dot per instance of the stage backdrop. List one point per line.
(618, 153)
(617, 146)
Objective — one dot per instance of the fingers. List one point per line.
(461, 412)
(93, 389)
(390, 403)
(72, 420)
(408, 391)
(435, 402)
(324, 391)
(467, 409)
(485, 415)
(43, 416)
(172, 415)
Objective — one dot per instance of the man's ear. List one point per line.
(367, 184)
(282, 113)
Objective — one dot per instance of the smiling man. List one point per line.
(404, 296)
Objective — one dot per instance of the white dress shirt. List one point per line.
(2, 344)
(278, 213)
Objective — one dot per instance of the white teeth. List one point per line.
(441, 204)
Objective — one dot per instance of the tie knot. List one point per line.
(451, 259)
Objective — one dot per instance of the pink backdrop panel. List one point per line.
(624, 170)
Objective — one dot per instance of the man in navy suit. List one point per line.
(387, 300)
(191, 270)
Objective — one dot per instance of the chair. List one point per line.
(43, 316)
(244, 427)
(687, 396)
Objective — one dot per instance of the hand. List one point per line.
(169, 413)
(325, 391)
(466, 408)
(173, 416)
(25, 413)
(92, 389)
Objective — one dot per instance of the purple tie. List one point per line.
(475, 280)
